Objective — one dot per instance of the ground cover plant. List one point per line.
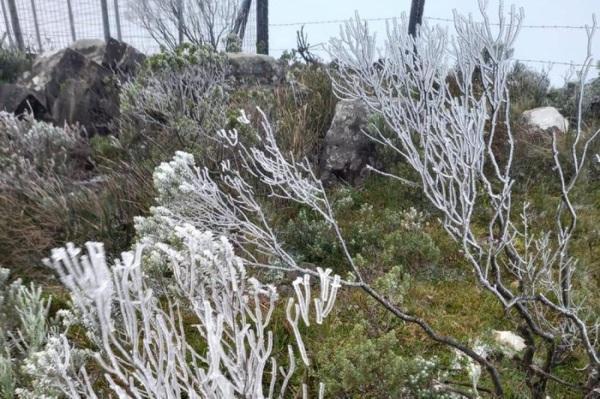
(229, 270)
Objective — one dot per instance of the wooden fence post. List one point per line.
(262, 26)
(118, 20)
(416, 16)
(180, 23)
(239, 27)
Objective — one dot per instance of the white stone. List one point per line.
(509, 340)
(546, 118)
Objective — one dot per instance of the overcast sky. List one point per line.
(560, 45)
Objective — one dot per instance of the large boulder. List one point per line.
(80, 84)
(255, 69)
(546, 118)
(117, 56)
(347, 150)
(82, 91)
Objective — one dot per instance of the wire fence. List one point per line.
(383, 19)
(54, 24)
(380, 22)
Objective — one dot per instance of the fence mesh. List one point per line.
(58, 30)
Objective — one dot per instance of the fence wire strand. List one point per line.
(56, 32)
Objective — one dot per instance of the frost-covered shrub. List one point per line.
(29, 338)
(205, 336)
(198, 329)
(29, 148)
(177, 102)
(39, 167)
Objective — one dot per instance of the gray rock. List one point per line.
(82, 91)
(92, 49)
(255, 69)
(546, 118)
(80, 84)
(347, 150)
(19, 100)
(114, 55)
(122, 58)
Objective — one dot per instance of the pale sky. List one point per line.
(559, 45)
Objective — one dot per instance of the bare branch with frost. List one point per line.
(144, 348)
(203, 22)
(451, 136)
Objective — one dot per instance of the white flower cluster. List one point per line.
(413, 220)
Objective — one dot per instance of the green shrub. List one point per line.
(529, 88)
(378, 238)
(12, 64)
(304, 109)
(183, 57)
(566, 100)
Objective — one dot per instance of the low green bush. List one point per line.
(12, 64)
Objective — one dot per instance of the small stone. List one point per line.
(546, 118)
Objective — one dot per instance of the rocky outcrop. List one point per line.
(116, 56)
(17, 100)
(347, 150)
(82, 91)
(546, 118)
(80, 84)
(121, 58)
(255, 69)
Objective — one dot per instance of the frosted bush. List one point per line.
(144, 341)
(179, 315)
(29, 342)
(178, 101)
(30, 148)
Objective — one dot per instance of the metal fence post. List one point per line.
(11, 42)
(16, 26)
(71, 21)
(262, 26)
(118, 20)
(105, 20)
(242, 19)
(37, 26)
(180, 24)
